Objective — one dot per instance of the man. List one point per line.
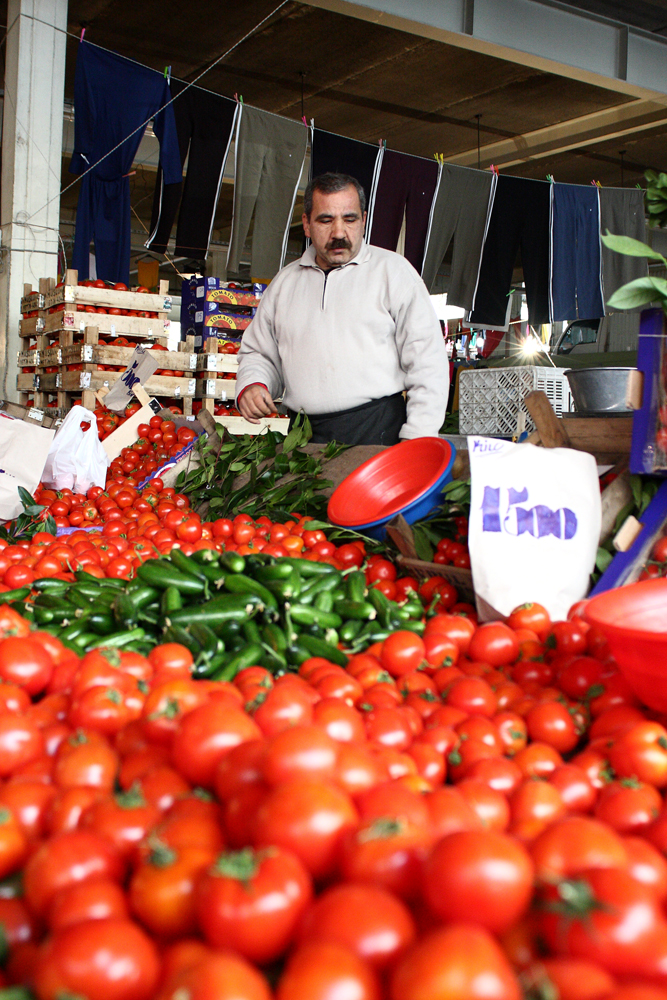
(343, 331)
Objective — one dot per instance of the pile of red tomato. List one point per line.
(462, 816)
(157, 442)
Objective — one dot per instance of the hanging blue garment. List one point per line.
(113, 96)
(576, 262)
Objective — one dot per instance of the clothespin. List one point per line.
(167, 74)
(305, 121)
(83, 31)
(238, 98)
(380, 143)
(494, 169)
(550, 178)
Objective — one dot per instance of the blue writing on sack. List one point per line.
(128, 377)
(483, 446)
(501, 513)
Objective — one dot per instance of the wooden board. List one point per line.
(239, 425)
(600, 434)
(108, 355)
(27, 381)
(108, 325)
(157, 385)
(216, 388)
(30, 359)
(107, 298)
(217, 363)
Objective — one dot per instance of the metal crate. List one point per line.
(490, 398)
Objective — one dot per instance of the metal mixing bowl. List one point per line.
(599, 390)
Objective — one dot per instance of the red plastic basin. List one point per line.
(634, 622)
(391, 481)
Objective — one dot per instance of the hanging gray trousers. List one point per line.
(461, 207)
(269, 155)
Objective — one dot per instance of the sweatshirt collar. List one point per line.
(308, 258)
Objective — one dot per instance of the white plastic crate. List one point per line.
(490, 398)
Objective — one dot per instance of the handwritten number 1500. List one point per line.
(501, 513)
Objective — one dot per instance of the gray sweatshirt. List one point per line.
(332, 341)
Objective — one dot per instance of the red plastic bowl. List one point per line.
(634, 621)
(391, 481)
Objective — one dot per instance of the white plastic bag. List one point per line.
(23, 450)
(534, 525)
(77, 459)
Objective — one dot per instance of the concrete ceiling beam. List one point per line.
(576, 133)
(544, 34)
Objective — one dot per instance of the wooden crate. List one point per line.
(70, 292)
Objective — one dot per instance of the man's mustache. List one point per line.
(339, 244)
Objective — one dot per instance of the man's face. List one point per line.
(335, 227)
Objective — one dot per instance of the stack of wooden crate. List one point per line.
(63, 361)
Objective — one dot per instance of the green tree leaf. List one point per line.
(638, 293)
(630, 247)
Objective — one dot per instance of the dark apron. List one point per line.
(376, 422)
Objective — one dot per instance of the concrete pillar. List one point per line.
(32, 132)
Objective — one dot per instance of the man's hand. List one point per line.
(256, 402)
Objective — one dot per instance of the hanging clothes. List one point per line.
(519, 219)
(576, 261)
(204, 124)
(461, 207)
(269, 155)
(332, 153)
(114, 96)
(405, 188)
(622, 213)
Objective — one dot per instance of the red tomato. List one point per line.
(456, 962)
(552, 723)
(532, 616)
(641, 752)
(25, 662)
(65, 859)
(321, 970)
(613, 920)
(99, 959)
(575, 844)
(494, 643)
(252, 901)
(628, 805)
(380, 932)
(402, 652)
(162, 888)
(96, 899)
(206, 734)
(480, 876)
(309, 817)
(216, 976)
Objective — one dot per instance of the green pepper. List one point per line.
(162, 574)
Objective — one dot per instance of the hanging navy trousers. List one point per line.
(114, 96)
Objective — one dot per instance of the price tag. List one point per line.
(143, 364)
